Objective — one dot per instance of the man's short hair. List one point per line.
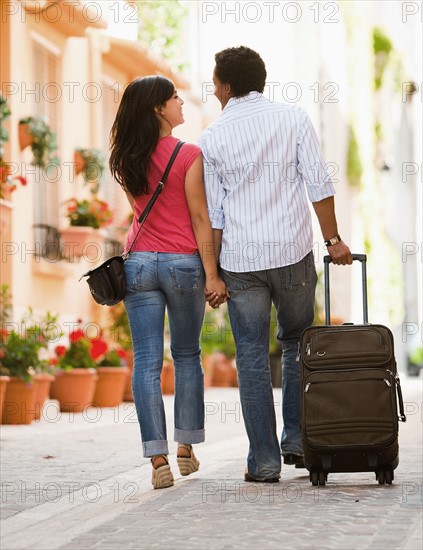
(242, 68)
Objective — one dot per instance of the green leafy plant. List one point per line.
(160, 29)
(4, 114)
(354, 164)
(86, 353)
(20, 347)
(44, 141)
(216, 335)
(94, 166)
(111, 359)
(76, 356)
(120, 332)
(88, 212)
(382, 48)
(8, 181)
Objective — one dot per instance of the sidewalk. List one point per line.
(80, 482)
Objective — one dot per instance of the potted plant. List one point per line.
(21, 354)
(92, 163)
(36, 132)
(8, 181)
(218, 348)
(4, 380)
(112, 376)
(85, 217)
(76, 376)
(120, 334)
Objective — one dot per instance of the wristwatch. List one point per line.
(334, 240)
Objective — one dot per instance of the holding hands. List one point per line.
(216, 292)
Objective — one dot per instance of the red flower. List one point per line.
(22, 180)
(76, 335)
(121, 352)
(54, 361)
(98, 348)
(60, 350)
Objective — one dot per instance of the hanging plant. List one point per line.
(43, 140)
(92, 163)
(8, 180)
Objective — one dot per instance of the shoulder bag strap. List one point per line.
(155, 195)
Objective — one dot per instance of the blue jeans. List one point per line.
(156, 281)
(292, 290)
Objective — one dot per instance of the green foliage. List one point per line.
(4, 114)
(88, 212)
(354, 164)
(45, 141)
(94, 166)
(416, 356)
(120, 331)
(5, 304)
(19, 354)
(217, 334)
(20, 347)
(160, 29)
(110, 359)
(77, 356)
(382, 49)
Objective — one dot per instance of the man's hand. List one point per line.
(215, 300)
(340, 254)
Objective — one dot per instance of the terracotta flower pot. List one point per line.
(207, 362)
(82, 241)
(42, 388)
(19, 402)
(222, 371)
(25, 138)
(168, 378)
(4, 380)
(128, 395)
(110, 386)
(79, 162)
(74, 389)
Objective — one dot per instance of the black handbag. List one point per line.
(107, 281)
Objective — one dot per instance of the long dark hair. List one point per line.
(136, 130)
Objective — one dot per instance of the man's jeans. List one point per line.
(156, 281)
(292, 290)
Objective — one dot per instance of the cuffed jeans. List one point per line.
(292, 290)
(156, 281)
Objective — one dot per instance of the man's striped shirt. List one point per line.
(261, 161)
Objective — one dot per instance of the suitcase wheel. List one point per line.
(385, 476)
(318, 478)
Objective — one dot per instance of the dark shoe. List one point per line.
(248, 477)
(293, 460)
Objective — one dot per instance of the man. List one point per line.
(261, 160)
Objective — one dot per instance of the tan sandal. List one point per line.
(162, 476)
(187, 464)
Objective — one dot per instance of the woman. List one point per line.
(172, 265)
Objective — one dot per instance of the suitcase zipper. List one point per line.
(307, 386)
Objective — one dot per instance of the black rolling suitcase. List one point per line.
(350, 387)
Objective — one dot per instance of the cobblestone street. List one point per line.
(79, 482)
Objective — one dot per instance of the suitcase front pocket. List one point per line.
(351, 345)
(349, 407)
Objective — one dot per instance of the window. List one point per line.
(46, 83)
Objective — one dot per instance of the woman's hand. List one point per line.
(216, 292)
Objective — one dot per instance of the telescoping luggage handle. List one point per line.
(360, 258)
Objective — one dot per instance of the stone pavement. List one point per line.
(79, 482)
